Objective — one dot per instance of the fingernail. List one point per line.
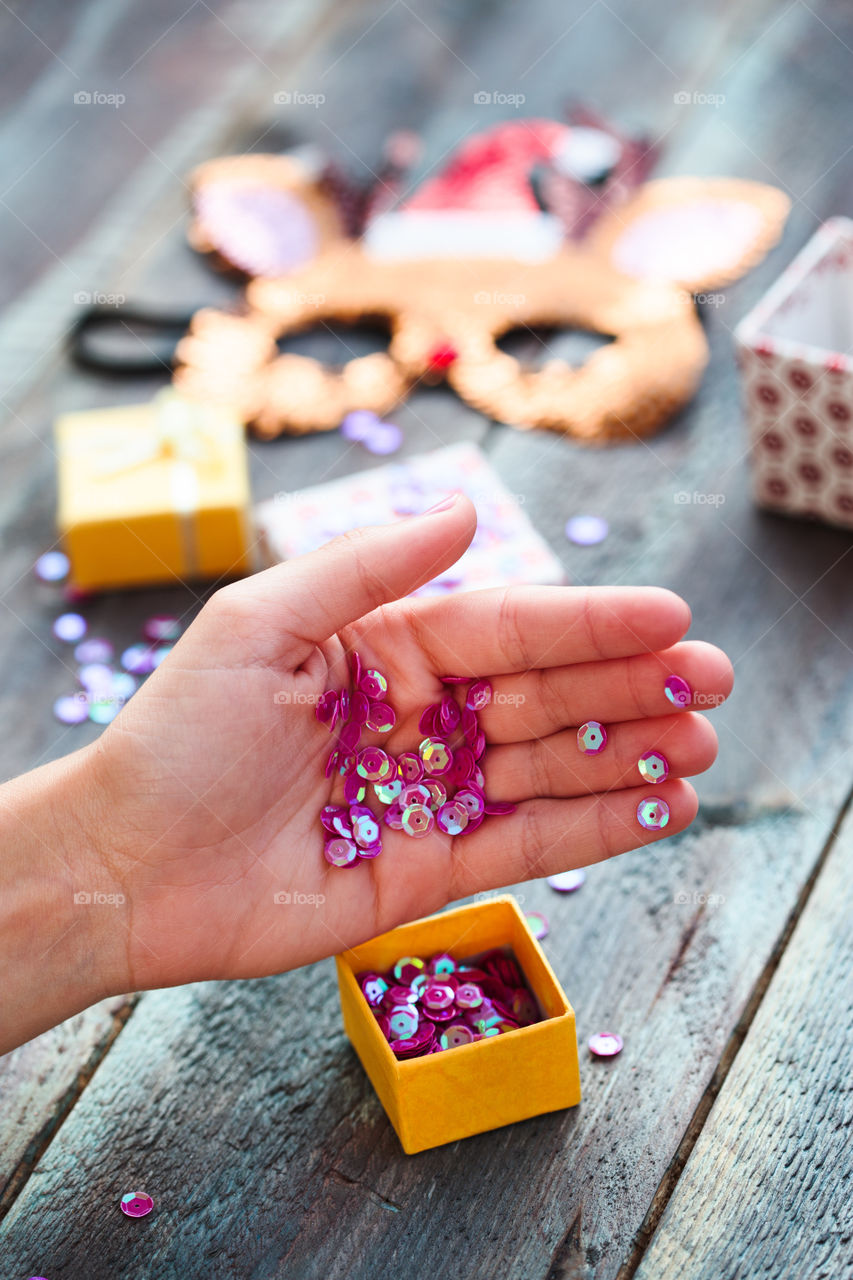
(444, 505)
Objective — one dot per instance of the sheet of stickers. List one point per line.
(506, 550)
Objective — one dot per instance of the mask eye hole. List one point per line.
(334, 343)
(536, 345)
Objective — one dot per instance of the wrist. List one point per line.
(63, 922)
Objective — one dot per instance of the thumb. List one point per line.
(285, 611)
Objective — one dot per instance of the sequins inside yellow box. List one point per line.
(495, 1081)
(153, 492)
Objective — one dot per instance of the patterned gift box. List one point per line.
(794, 350)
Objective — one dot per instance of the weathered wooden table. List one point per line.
(719, 1144)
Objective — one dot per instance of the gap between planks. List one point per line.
(732, 1047)
(28, 1163)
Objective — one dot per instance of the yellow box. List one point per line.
(153, 493)
(473, 1088)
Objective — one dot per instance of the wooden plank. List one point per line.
(41, 1081)
(241, 1108)
(779, 1139)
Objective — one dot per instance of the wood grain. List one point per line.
(767, 1190)
(42, 1080)
(240, 1107)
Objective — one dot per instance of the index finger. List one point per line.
(503, 630)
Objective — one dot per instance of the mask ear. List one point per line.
(700, 233)
(265, 215)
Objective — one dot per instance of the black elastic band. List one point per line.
(137, 340)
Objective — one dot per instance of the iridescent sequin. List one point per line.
(138, 659)
(472, 800)
(94, 650)
(592, 738)
(418, 821)
(388, 792)
(403, 1021)
(422, 1007)
(341, 852)
(453, 818)
(53, 566)
(410, 766)
(678, 691)
(435, 755)
(653, 766)
(374, 987)
(71, 708)
(380, 717)
(374, 684)
(104, 710)
(587, 531)
(407, 968)
(375, 765)
(537, 923)
(468, 996)
(161, 627)
(438, 995)
(567, 881)
(653, 813)
(437, 794)
(136, 1204)
(605, 1044)
(69, 627)
(479, 695)
(455, 1036)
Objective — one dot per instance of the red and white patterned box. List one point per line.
(794, 350)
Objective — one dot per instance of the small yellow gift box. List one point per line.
(475, 1087)
(154, 492)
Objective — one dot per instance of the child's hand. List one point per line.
(210, 782)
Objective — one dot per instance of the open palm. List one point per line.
(214, 773)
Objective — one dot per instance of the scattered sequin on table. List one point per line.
(69, 627)
(136, 1204)
(605, 1044)
(587, 531)
(363, 426)
(104, 688)
(430, 1006)
(538, 924)
(53, 566)
(567, 881)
